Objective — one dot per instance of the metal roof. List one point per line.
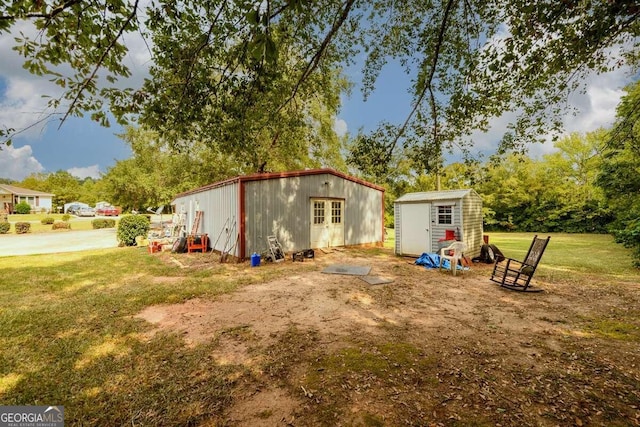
(12, 189)
(277, 175)
(430, 196)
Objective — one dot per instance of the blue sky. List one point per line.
(84, 148)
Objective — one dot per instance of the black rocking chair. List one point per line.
(516, 275)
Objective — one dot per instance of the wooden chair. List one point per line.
(516, 275)
(453, 253)
(197, 242)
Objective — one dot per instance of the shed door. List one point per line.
(327, 223)
(415, 231)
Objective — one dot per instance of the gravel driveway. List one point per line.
(60, 241)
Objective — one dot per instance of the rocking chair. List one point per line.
(516, 275)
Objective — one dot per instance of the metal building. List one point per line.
(423, 220)
(303, 209)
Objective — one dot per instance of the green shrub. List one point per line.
(61, 225)
(629, 236)
(66, 217)
(23, 208)
(47, 220)
(4, 227)
(22, 227)
(103, 223)
(131, 226)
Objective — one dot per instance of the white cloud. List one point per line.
(340, 127)
(23, 105)
(594, 109)
(92, 171)
(598, 105)
(18, 163)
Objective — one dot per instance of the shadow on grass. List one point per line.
(68, 337)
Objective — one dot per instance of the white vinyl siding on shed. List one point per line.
(439, 229)
(472, 230)
(457, 210)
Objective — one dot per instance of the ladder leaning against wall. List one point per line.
(196, 223)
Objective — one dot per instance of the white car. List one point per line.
(86, 212)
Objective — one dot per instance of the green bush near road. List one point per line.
(22, 227)
(103, 223)
(48, 220)
(61, 225)
(130, 227)
(4, 227)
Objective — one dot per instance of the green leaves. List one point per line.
(263, 48)
(220, 64)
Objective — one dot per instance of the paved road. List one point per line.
(60, 241)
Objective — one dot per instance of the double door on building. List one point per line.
(327, 223)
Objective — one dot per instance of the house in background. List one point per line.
(424, 219)
(304, 209)
(11, 195)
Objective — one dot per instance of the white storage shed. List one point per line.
(423, 220)
(304, 209)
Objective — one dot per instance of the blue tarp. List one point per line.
(433, 261)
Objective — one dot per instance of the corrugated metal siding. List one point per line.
(281, 207)
(472, 219)
(220, 218)
(364, 214)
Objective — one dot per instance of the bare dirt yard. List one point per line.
(426, 349)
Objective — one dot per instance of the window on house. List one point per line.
(318, 212)
(336, 212)
(445, 214)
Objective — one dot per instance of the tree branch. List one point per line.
(200, 48)
(429, 80)
(131, 16)
(315, 61)
(55, 11)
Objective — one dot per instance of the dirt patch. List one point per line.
(426, 348)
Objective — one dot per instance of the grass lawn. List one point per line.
(69, 336)
(567, 255)
(570, 255)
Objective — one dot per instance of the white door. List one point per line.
(327, 223)
(415, 231)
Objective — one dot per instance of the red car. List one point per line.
(107, 211)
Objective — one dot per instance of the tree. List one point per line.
(150, 177)
(242, 74)
(555, 193)
(65, 187)
(619, 175)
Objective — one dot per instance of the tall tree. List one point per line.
(65, 187)
(619, 175)
(555, 193)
